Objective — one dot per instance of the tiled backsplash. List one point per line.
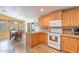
(67, 31)
(44, 29)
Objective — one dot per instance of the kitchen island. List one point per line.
(35, 38)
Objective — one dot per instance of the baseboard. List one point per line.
(3, 37)
(56, 49)
(35, 45)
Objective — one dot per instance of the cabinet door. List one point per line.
(45, 21)
(44, 38)
(66, 18)
(52, 16)
(58, 15)
(78, 45)
(75, 17)
(69, 46)
(35, 39)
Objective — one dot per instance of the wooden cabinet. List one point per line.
(34, 39)
(56, 15)
(44, 38)
(45, 20)
(71, 17)
(66, 21)
(75, 17)
(78, 45)
(69, 44)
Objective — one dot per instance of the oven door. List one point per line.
(54, 40)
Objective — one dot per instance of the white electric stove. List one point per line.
(54, 35)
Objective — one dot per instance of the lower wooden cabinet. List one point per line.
(78, 45)
(36, 38)
(69, 44)
(44, 38)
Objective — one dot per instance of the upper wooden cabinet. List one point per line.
(66, 21)
(56, 15)
(45, 20)
(75, 17)
(71, 17)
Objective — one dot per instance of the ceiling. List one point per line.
(23, 12)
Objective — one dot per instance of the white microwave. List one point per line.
(56, 23)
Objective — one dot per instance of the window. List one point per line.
(3, 25)
(12, 25)
(19, 26)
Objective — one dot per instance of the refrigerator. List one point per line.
(32, 27)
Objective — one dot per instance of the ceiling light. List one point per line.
(15, 22)
(41, 9)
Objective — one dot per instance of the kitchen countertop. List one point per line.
(70, 35)
(36, 32)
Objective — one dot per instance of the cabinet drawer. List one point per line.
(72, 39)
(69, 46)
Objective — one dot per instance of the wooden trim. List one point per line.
(71, 8)
(65, 51)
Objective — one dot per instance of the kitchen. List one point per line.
(52, 29)
(62, 28)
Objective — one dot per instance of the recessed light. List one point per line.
(41, 9)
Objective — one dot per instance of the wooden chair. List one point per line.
(18, 34)
(12, 35)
